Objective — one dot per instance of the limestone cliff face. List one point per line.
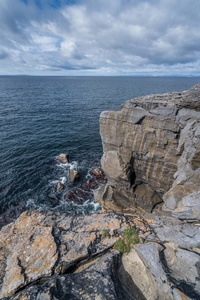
(152, 153)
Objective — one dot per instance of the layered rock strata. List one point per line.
(152, 154)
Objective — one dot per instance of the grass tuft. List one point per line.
(129, 237)
(105, 234)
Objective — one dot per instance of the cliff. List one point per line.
(152, 154)
(152, 160)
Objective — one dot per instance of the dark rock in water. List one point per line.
(63, 158)
(60, 186)
(11, 214)
(99, 175)
(77, 196)
(92, 183)
(74, 176)
(97, 172)
(53, 201)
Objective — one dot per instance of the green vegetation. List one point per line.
(175, 251)
(129, 237)
(143, 240)
(105, 234)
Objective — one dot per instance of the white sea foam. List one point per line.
(63, 179)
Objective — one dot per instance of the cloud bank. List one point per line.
(87, 37)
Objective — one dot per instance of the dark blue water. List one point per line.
(41, 117)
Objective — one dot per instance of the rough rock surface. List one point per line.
(74, 176)
(40, 244)
(55, 256)
(63, 158)
(151, 150)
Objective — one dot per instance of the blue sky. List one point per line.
(100, 37)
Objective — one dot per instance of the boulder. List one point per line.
(77, 196)
(91, 184)
(60, 186)
(74, 176)
(97, 172)
(63, 158)
(114, 200)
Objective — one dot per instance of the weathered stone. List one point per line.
(98, 179)
(187, 177)
(41, 244)
(189, 207)
(97, 172)
(63, 158)
(31, 255)
(74, 176)
(149, 255)
(140, 275)
(77, 196)
(147, 203)
(92, 184)
(151, 152)
(169, 229)
(114, 200)
(96, 282)
(183, 269)
(163, 273)
(153, 141)
(60, 186)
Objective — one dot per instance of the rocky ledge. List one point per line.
(55, 256)
(152, 161)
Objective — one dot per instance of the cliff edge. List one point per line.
(152, 155)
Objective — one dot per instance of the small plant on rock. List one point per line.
(105, 234)
(129, 237)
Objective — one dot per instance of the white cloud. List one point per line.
(101, 37)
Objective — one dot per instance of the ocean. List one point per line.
(41, 117)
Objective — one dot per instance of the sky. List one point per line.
(100, 37)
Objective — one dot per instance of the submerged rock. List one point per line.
(77, 196)
(91, 184)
